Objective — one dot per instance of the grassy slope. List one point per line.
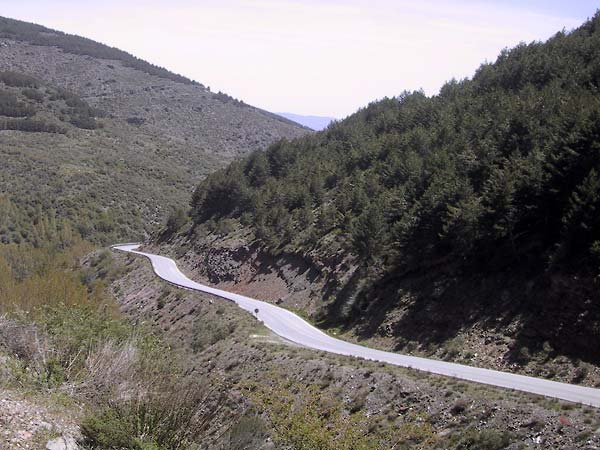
(71, 364)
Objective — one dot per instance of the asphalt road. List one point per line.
(295, 329)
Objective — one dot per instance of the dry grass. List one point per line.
(111, 368)
(155, 405)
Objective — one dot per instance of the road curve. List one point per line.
(292, 327)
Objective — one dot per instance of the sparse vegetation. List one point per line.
(59, 328)
(70, 151)
(293, 397)
(17, 79)
(313, 421)
(249, 432)
(39, 35)
(472, 439)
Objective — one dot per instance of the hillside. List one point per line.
(178, 369)
(463, 226)
(128, 140)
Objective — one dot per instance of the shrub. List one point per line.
(11, 107)
(358, 401)
(225, 227)
(174, 414)
(473, 439)
(581, 373)
(249, 432)
(60, 332)
(33, 94)
(30, 125)
(176, 220)
(24, 341)
(82, 115)
(17, 79)
(55, 323)
(84, 122)
(207, 333)
(459, 407)
(108, 430)
(136, 121)
(303, 417)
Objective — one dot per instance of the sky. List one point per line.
(318, 57)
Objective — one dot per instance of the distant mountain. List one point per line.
(109, 143)
(316, 123)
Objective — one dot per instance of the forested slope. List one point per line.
(426, 215)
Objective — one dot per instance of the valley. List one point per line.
(422, 274)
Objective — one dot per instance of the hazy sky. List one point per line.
(325, 57)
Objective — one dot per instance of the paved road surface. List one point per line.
(296, 329)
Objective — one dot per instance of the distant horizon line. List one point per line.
(316, 116)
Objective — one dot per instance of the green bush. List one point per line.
(17, 79)
(54, 321)
(176, 220)
(76, 330)
(248, 433)
(207, 333)
(107, 430)
(31, 126)
(174, 414)
(10, 106)
(33, 94)
(473, 439)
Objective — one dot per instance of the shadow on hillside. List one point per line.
(433, 306)
(265, 264)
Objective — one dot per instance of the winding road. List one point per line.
(293, 328)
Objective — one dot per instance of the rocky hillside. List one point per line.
(463, 226)
(291, 397)
(179, 369)
(129, 140)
